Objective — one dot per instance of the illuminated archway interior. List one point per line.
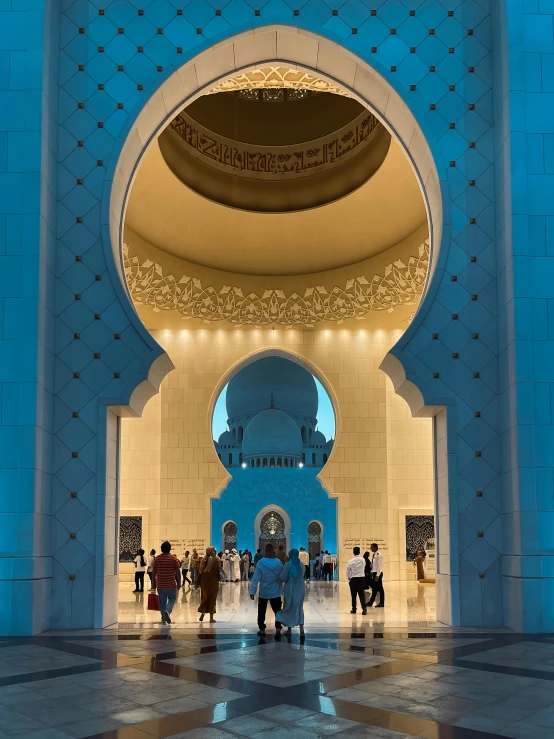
(276, 222)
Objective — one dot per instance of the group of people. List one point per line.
(365, 573)
(323, 566)
(275, 576)
(237, 565)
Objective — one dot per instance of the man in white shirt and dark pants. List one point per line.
(304, 557)
(376, 581)
(355, 573)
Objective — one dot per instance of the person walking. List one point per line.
(377, 578)
(281, 554)
(317, 566)
(151, 559)
(241, 564)
(140, 569)
(257, 556)
(292, 575)
(327, 564)
(207, 579)
(194, 559)
(185, 566)
(355, 568)
(245, 565)
(167, 578)
(367, 571)
(226, 564)
(268, 576)
(304, 558)
(235, 566)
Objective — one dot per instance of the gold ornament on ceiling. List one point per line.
(401, 284)
(277, 77)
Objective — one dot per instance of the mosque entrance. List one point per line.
(272, 531)
(241, 434)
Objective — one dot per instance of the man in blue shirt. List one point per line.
(268, 576)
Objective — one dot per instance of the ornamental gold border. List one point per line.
(277, 77)
(401, 284)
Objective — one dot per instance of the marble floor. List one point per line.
(408, 604)
(348, 683)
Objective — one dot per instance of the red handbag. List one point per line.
(153, 602)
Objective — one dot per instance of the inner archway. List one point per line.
(272, 531)
(275, 310)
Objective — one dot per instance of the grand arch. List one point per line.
(428, 389)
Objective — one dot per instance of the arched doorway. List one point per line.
(272, 530)
(418, 153)
(315, 539)
(230, 536)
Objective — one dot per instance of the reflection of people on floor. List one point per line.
(419, 560)
(267, 576)
(377, 578)
(208, 580)
(292, 575)
(226, 562)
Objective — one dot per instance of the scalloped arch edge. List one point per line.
(405, 385)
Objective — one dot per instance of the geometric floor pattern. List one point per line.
(349, 684)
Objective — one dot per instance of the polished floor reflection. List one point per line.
(361, 683)
(327, 605)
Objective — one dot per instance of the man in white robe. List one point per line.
(227, 565)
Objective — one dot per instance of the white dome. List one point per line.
(317, 439)
(272, 434)
(293, 388)
(226, 438)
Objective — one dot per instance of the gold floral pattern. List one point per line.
(401, 284)
(277, 77)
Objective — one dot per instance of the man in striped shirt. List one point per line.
(167, 578)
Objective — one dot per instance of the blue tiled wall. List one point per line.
(524, 37)
(298, 492)
(70, 344)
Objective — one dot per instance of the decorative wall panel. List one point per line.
(418, 530)
(130, 537)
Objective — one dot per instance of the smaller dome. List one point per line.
(272, 433)
(330, 443)
(226, 438)
(317, 439)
